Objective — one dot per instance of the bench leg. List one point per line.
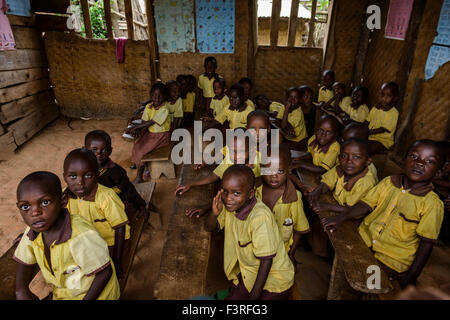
(157, 168)
(339, 288)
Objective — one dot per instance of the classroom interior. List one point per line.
(58, 84)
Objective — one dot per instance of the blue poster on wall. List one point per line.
(19, 7)
(215, 26)
(443, 29)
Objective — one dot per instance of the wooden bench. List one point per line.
(352, 256)
(185, 256)
(158, 162)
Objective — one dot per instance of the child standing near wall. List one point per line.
(174, 103)
(205, 82)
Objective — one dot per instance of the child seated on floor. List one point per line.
(341, 101)
(292, 121)
(248, 85)
(442, 187)
(112, 175)
(71, 254)
(349, 181)
(383, 119)
(218, 103)
(188, 100)
(403, 215)
(205, 82)
(308, 109)
(96, 203)
(255, 258)
(174, 103)
(357, 110)
(156, 126)
(279, 194)
(271, 107)
(323, 147)
(326, 92)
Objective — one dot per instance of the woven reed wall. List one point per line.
(89, 82)
(277, 69)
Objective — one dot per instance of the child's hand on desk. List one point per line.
(217, 204)
(198, 212)
(182, 189)
(332, 222)
(199, 166)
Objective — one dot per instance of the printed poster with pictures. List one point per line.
(215, 26)
(19, 7)
(6, 34)
(398, 19)
(174, 22)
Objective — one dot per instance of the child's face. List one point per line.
(276, 179)
(326, 133)
(386, 96)
(218, 89)
(258, 123)
(101, 150)
(307, 98)
(357, 98)
(293, 97)
(236, 192)
(422, 163)
(81, 179)
(262, 104)
(353, 159)
(247, 88)
(338, 90)
(183, 85)
(157, 97)
(38, 206)
(174, 91)
(191, 84)
(235, 99)
(210, 68)
(327, 80)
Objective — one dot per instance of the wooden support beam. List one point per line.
(251, 48)
(86, 18)
(152, 43)
(293, 23)
(312, 24)
(129, 18)
(274, 22)
(107, 5)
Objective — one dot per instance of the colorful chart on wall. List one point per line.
(174, 22)
(215, 26)
(19, 7)
(398, 19)
(443, 29)
(6, 34)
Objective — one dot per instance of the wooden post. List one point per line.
(312, 23)
(129, 18)
(251, 48)
(86, 18)
(293, 23)
(107, 4)
(152, 43)
(274, 22)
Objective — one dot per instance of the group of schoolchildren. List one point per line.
(77, 235)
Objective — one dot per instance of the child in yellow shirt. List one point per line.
(218, 104)
(235, 114)
(174, 103)
(349, 181)
(248, 85)
(205, 82)
(357, 110)
(308, 109)
(271, 107)
(187, 98)
(69, 251)
(403, 215)
(255, 258)
(98, 204)
(383, 118)
(279, 194)
(326, 91)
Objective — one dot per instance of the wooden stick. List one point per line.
(312, 24)
(274, 22)
(107, 4)
(86, 18)
(251, 43)
(293, 23)
(152, 43)
(129, 18)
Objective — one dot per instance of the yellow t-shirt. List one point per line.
(175, 109)
(348, 193)
(218, 105)
(398, 220)
(256, 236)
(288, 206)
(325, 160)
(374, 171)
(388, 119)
(206, 85)
(237, 119)
(160, 116)
(276, 107)
(360, 114)
(297, 121)
(250, 103)
(227, 162)
(106, 213)
(325, 95)
(188, 103)
(77, 255)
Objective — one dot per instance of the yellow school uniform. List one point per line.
(218, 105)
(297, 121)
(359, 114)
(374, 171)
(348, 193)
(326, 157)
(399, 219)
(325, 95)
(250, 235)
(288, 206)
(106, 213)
(160, 116)
(250, 104)
(77, 255)
(237, 119)
(227, 162)
(276, 107)
(175, 109)
(188, 102)
(206, 85)
(388, 119)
